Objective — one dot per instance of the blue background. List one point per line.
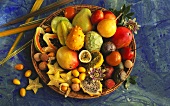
(152, 63)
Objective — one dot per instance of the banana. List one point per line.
(64, 30)
(60, 34)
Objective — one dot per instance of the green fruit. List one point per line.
(82, 19)
(63, 29)
(91, 87)
(55, 21)
(93, 41)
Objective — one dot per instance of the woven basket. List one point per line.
(44, 76)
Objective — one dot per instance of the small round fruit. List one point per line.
(128, 64)
(75, 87)
(97, 16)
(82, 76)
(37, 57)
(16, 81)
(28, 73)
(109, 83)
(81, 69)
(22, 92)
(75, 73)
(43, 65)
(69, 12)
(75, 80)
(107, 48)
(85, 56)
(51, 54)
(19, 67)
(107, 28)
(114, 58)
(44, 57)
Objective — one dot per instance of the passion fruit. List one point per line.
(85, 56)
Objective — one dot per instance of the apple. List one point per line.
(97, 16)
(126, 53)
(108, 15)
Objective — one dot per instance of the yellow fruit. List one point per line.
(19, 66)
(28, 73)
(22, 92)
(75, 73)
(82, 76)
(16, 81)
(75, 80)
(81, 70)
(75, 39)
(107, 27)
(97, 60)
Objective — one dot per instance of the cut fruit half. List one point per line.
(85, 56)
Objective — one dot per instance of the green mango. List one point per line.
(82, 19)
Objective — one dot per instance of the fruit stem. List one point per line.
(119, 16)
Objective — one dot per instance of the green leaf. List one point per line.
(127, 9)
(130, 14)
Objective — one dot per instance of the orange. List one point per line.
(114, 58)
(107, 28)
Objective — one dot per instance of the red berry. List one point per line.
(109, 83)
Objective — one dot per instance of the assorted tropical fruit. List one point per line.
(85, 51)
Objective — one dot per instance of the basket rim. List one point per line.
(73, 95)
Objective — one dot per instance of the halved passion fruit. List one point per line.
(85, 56)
